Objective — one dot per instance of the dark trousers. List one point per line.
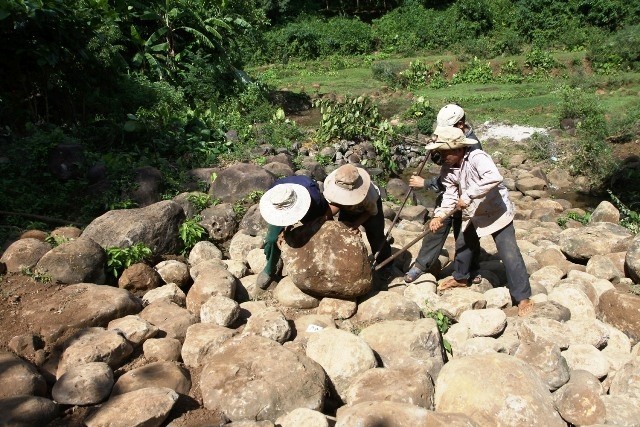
(432, 243)
(468, 247)
(374, 229)
(271, 249)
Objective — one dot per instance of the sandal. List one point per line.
(452, 283)
(413, 273)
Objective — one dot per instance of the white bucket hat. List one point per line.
(449, 115)
(449, 138)
(285, 204)
(347, 185)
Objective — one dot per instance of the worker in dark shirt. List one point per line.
(289, 200)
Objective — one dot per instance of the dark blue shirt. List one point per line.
(319, 204)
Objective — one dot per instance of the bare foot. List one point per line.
(525, 307)
(452, 283)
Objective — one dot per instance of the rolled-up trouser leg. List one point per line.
(467, 247)
(432, 245)
(271, 249)
(517, 277)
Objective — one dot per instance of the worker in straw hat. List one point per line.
(351, 193)
(474, 186)
(449, 115)
(290, 200)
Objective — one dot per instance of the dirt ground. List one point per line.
(19, 293)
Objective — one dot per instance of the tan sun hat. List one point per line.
(449, 138)
(449, 115)
(285, 204)
(347, 185)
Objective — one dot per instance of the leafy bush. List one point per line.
(356, 119)
(475, 72)
(618, 52)
(585, 109)
(118, 259)
(424, 114)
(542, 147)
(481, 47)
(591, 154)
(582, 219)
(630, 218)
(510, 72)
(443, 322)
(386, 71)
(240, 207)
(508, 42)
(191, 232)
(200, 201)
(601, 13)
(352, 119)
(420, 74)
(539, 60)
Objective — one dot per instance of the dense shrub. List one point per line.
(312, 38)
(606, 14)
(412, 28)
(476, 15)
(481, 47)
(618, 52)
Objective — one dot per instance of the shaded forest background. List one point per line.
(165, 83)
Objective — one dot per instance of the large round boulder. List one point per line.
(327, 260)
(256, 378)
(76, 261)
(495, 389)
(156, 226)
(237, 181)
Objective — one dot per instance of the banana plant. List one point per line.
(166, 33)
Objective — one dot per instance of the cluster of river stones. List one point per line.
(330, 343)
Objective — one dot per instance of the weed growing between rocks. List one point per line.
(582, 219)
(443, 322)
(36, 275)
(191, 232)
(118, 259)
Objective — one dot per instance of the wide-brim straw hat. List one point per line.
(348, 185)
(285, 204)
(449, 138)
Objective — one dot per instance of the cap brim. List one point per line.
(341, 196)
(282, 217)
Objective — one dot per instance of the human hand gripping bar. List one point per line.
(408, 245)
(395, 219)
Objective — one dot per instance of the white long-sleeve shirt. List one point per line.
(479, 184)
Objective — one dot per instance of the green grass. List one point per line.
(531, 103)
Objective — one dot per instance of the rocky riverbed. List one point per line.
(191, 341)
